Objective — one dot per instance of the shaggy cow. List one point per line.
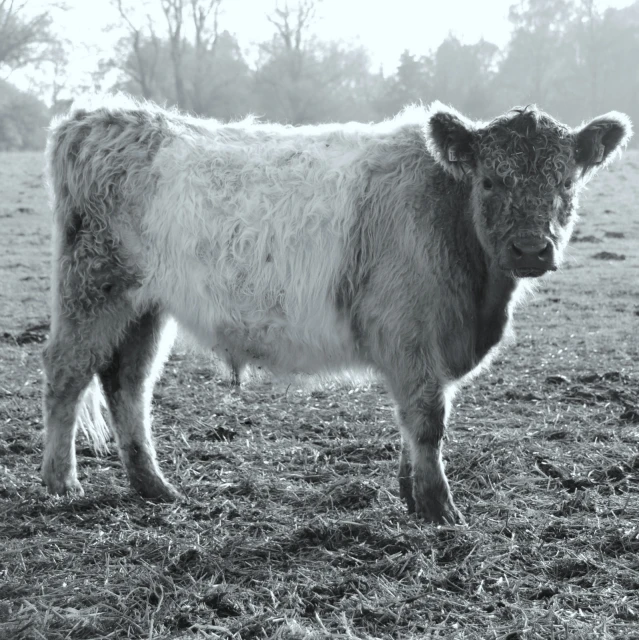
(398, 246)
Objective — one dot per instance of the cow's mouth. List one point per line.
(529, 272)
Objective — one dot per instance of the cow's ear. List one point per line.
(597, 141)
(449, 138)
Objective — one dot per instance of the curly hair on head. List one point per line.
(526, 143)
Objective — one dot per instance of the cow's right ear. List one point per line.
(449, 139)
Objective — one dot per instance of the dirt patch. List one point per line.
(37, 333)
(608, 255)
(590, 239)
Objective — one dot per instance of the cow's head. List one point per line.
(526, 170)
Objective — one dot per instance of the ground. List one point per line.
(292, 527)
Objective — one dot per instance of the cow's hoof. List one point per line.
(168, 493)
(57, 486)
(439, 511)
(158, 490)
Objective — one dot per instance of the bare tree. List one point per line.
(174, 13)
(534, 66)
(25, 39)
(142, 67)
(184, 57)
(201, 10)
(292, 34)
(292, 31)
(591, 49)
(205, 45)
(57, 76)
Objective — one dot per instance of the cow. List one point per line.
(399, 247)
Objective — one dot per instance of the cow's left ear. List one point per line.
(449, 139)
(597, 141)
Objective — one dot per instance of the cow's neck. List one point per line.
(492, 290)
(493, 310)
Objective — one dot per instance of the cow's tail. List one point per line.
(91, 417)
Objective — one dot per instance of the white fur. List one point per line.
(244, 237)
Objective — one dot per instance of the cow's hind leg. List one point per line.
(67, 379)
(422, 481)
(127, 380)
(77, 347)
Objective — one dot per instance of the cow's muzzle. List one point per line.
(531, 257)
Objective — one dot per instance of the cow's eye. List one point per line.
(568, 183)
(487, 184)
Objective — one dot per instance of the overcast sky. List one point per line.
(385, 27)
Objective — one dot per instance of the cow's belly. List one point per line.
(287, 348)
(273, 342)
(306, 335)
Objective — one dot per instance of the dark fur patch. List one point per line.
(432, 415)
(73, 226)
(110, 375)
(493, 314)
(80, 134)
(132, 358)
(353, 282)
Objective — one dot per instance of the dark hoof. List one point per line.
(429, 507)
(440, 512)
(158, 490)
(166, 494)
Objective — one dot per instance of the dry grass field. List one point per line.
(292, 527)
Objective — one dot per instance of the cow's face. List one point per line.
(526, 170)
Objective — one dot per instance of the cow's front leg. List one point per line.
(422, 481)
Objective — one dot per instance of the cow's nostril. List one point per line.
(517, 252)
(546, 252)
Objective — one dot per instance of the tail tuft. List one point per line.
(91, 417)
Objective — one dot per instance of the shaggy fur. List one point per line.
(304, 250)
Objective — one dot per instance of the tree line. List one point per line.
(569, 57)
